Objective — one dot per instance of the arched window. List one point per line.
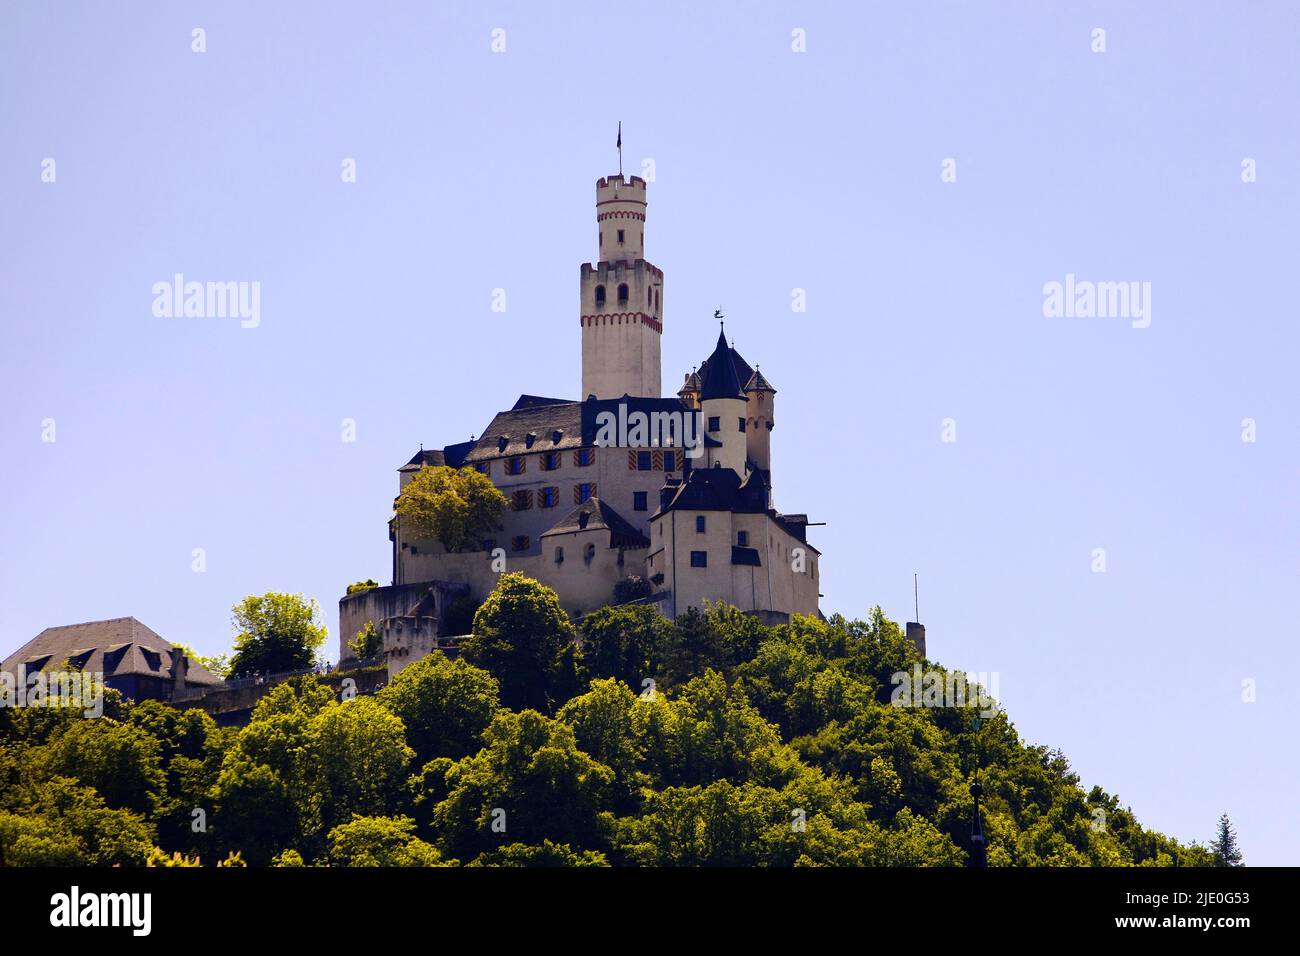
(656, 300)
(600, 296)
(622, 293)
(589, 552)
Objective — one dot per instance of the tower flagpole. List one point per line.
(619, 146)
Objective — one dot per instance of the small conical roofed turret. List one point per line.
(720, 380)
(758, 383)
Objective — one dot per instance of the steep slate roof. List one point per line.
(742, 368)
(718, 489)
(425, 456)
(129, 646)
(576, 422)
(719, 373)
(594, 515)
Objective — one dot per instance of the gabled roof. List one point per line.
(594, 515)
(117, 647)
(719, 374)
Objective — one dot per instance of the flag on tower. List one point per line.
(618, 144)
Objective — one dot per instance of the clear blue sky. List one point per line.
(774, 171)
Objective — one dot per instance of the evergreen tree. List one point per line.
(1224, 848)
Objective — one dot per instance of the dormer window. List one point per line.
(529, 439)
(502, 441)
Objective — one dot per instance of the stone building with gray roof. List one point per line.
(131, 656)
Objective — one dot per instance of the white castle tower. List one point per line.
(621, 306)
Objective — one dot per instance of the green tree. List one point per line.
(1224, 847)
(262, 787)
(355, 762)
(367, 643)
(65, 824)
(529, 783)
(455, 507)
(523, 638)
(120, 761)
(626, 643)
(546, 854)
(445, 706)
(365, 585)
(377, 841)
(276, 633)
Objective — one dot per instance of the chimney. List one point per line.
(916, 634)
(180, 670)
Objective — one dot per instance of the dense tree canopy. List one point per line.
(629, 740)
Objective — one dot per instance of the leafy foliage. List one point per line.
(455, 507)
(712, 740)
(276, 633)
(524, 638)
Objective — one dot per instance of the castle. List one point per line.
(624, 483)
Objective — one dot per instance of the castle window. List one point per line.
(484, 468)
(656, 300)
(519, 542)
(516, 466)
(584, 492)
(644, 461)
(502, 441)
(548, 497)
(699, 559)
(551, 461)
(532, 437)
(622, 288)
(559, 555)
(584, 457)
(589, 552)
(620, 237)
(742, 539)
(600, 296)
(742, 424)
(699, 524)
(715, 423)
(648, 300)
(670, 460)
(522, 500)
(639, 501)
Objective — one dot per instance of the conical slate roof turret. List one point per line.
(720, 379)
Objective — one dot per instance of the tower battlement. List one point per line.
(620, 297)
(610, 183)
